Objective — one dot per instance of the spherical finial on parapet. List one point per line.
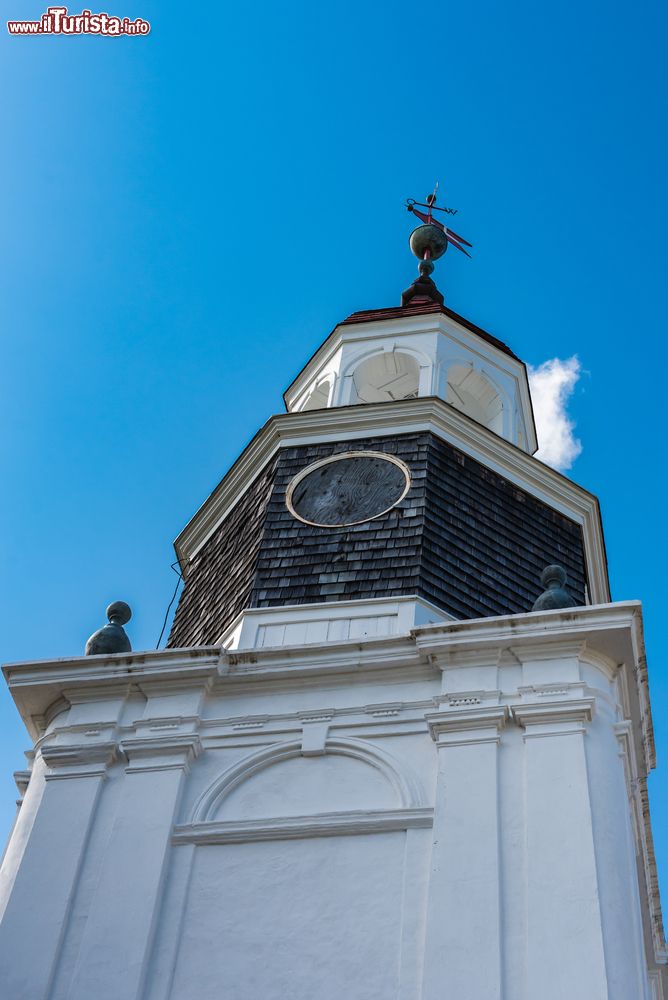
(119, 613)
(111, 638)
(555, 594)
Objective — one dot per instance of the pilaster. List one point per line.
(68, 779)
(125, 907)
(463, 947)
(561, 876)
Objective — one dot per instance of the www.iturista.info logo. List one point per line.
(57, 21)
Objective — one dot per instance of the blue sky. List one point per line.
(187, 215)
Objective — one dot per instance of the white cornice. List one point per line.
(386, 655)
(81, 760)
(161, 753)
(105, 670)
(610, 628)
(347, 423)
(296, 827)
(613, 630)
(39, 685)
(550, 713)
(476, 724)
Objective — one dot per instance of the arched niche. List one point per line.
(318, 399)
(475, 395)
(279, 781)
(384, 377)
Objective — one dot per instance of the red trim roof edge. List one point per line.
(396, 312)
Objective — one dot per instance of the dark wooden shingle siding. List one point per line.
(486, 541)
(463, 537)
(219, 581)
(300, 564)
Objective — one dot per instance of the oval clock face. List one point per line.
(348, 489)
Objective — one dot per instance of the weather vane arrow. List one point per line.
(429, 242)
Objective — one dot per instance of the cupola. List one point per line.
(399, 488)
(423, 349)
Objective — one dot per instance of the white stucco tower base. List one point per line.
(455, 811)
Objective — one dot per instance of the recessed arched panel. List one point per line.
(304, 786)
(386, 376)
(475, 395)
(318, 398)
(278, 781)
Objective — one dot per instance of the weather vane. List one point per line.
(429, 242)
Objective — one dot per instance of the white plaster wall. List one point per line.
(87, 885)
(329, 622)
(404, 818)
(619, 899)
(297, 918)
(18, 840)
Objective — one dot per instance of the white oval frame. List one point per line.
(294, 483)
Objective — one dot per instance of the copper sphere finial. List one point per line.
(429, 242)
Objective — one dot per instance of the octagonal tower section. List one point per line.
(399, 489)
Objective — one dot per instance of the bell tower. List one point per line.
(420, 395)
(398, 743)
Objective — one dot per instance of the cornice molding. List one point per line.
(22, 780)
(387, 655)
(38, 685)
(467, 725)
(550, 713)
(427, 413)
(612, 630)
(556, 629)
(547, 648)
(79, 760)
(161, 753)
(111, 672)
(298, 827)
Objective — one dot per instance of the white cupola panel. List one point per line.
(387, 370)
(476, 395)
(385, 376)
(320, 394)
(399, 354)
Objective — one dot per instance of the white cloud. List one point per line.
(552, 384)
